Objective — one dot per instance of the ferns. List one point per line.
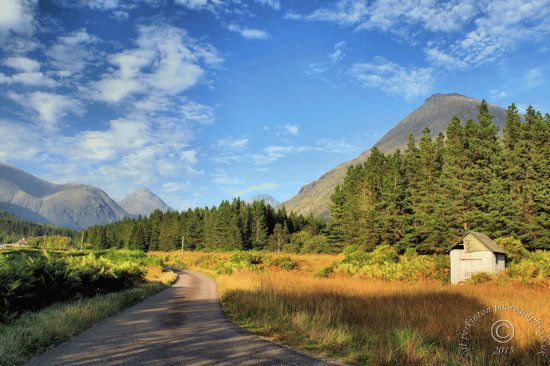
(30, 280)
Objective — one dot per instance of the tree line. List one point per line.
(229, 226)
(13, 229)
(429, 195)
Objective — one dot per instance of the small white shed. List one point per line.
(475, 253)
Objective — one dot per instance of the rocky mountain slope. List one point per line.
(74, 206)
(435, 113)
(265, 197)
(143, 202)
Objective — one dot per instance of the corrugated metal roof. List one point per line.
(485, 240)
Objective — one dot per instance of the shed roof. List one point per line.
(484, 239)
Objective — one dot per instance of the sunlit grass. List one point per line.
(375, 322)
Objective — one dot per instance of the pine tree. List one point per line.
(279, 238)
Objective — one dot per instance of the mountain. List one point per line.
(74, 206)
(143, 202)
(436, 113)
(265, 197)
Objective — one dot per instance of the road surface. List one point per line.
(182, 325)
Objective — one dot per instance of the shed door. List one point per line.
(468, 267)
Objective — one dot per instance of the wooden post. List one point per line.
(182, 242)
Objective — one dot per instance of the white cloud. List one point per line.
(17, 16)
(171, 187)
(337, 53)
(224, 179)
(334, 57)
(440, 58)
(194, 4)
(102, 4)
(167, 62)
(534, 78)
(15, 135)
(335, 146)
(189, 156)
(21, 63)
(495, 94)
(394, 79)
(289, 129)
(259, 187)
(275, 4)
(50, 107)
(29, 78)
(73, 52)
(230, 143)
(113, 90)
(474, 33)
(121, 136)
(391, 15)
(127, 154)
(121, 15)
(273, 153)
(248, 33)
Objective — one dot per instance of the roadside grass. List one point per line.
(377, 322)
(374, 322)
(34, 332)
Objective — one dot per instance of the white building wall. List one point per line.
(464, 265)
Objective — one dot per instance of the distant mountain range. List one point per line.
(74, 206)
(436, 113)
(265, 197)
(143, 202)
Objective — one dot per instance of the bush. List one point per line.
(480, 277)
(384, 263)
(32, 280)
(325, 272)
(513, 247)
(52, 242)
(282, 262)
(535, 265)
(384, 253)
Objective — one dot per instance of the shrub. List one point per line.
(32, 280)
(325, 272)
(281, 262)
(384, 253)
(515, 249)
(480, 277)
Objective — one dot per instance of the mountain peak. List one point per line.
(265, 197)
(75, 206)
(143, 202)
(435, 113)
(436, 96)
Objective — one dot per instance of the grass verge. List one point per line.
(32, 333)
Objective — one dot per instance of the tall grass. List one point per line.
(382, 322)
(33, 333)
(322, 307)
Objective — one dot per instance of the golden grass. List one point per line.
(33, 333)
(157, 274)
(379, 322)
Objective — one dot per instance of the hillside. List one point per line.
(435, 113)
(143, 202)
(265, 197)
(73, 206)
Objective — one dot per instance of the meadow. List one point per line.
(380, 312)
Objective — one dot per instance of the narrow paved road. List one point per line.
(182, 325)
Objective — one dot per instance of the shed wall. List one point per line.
(464, 265)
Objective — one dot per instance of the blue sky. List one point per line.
(203, 100)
